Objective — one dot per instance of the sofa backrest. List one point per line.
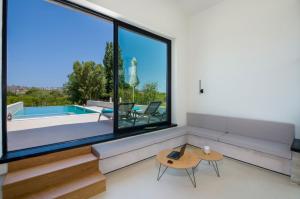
(266, 130)
(213, 122)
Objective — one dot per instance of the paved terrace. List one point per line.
(26, 133)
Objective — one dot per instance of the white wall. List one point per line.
(166, 19)
(247, 53)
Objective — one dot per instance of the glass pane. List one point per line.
(142, 79)
(60, 74)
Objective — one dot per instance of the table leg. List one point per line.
(160, 175)
(216, 168)
(197, 164)
(192, 178)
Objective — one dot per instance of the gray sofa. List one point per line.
(262, 143)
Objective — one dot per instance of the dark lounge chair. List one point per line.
(125, 112)
(150, 112)
(107, 112)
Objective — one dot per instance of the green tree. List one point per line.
(34, 91)
(39, 97)
(108, 63)
(10, 93)
(150, 92)
(87, 81)
(56, 93)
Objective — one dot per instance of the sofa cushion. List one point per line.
(206, 133)
(273, 148)
(116, 147)
(213, 122)
(266, 130)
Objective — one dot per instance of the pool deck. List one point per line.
(32, 123)
(25, 133)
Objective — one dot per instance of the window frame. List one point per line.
(8, 156)
(148, 34)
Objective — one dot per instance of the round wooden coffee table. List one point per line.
(213, 157)
(189, 160)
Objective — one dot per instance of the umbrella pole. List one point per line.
(133, 94)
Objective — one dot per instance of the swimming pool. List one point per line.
(47, 111)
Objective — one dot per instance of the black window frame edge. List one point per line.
(168, 43)
(8, 156)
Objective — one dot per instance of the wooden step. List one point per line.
(79, 188)
(36, 178)
(44, 159)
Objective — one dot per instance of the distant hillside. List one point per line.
(16, 89)
(32, 96)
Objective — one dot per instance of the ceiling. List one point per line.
(193, 6)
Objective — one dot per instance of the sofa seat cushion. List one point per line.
(273, 148)
(206, 133)
(117, 147)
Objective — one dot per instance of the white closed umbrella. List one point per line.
(134, 80)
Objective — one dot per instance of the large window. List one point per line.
(59, 74)
(142, 80)
(70, 73)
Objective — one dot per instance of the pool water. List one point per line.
(46, 111)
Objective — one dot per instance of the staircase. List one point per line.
(68, 174)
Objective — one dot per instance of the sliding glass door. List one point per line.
(142, 80)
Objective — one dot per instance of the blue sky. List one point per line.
(45, 39)
(151, 56)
